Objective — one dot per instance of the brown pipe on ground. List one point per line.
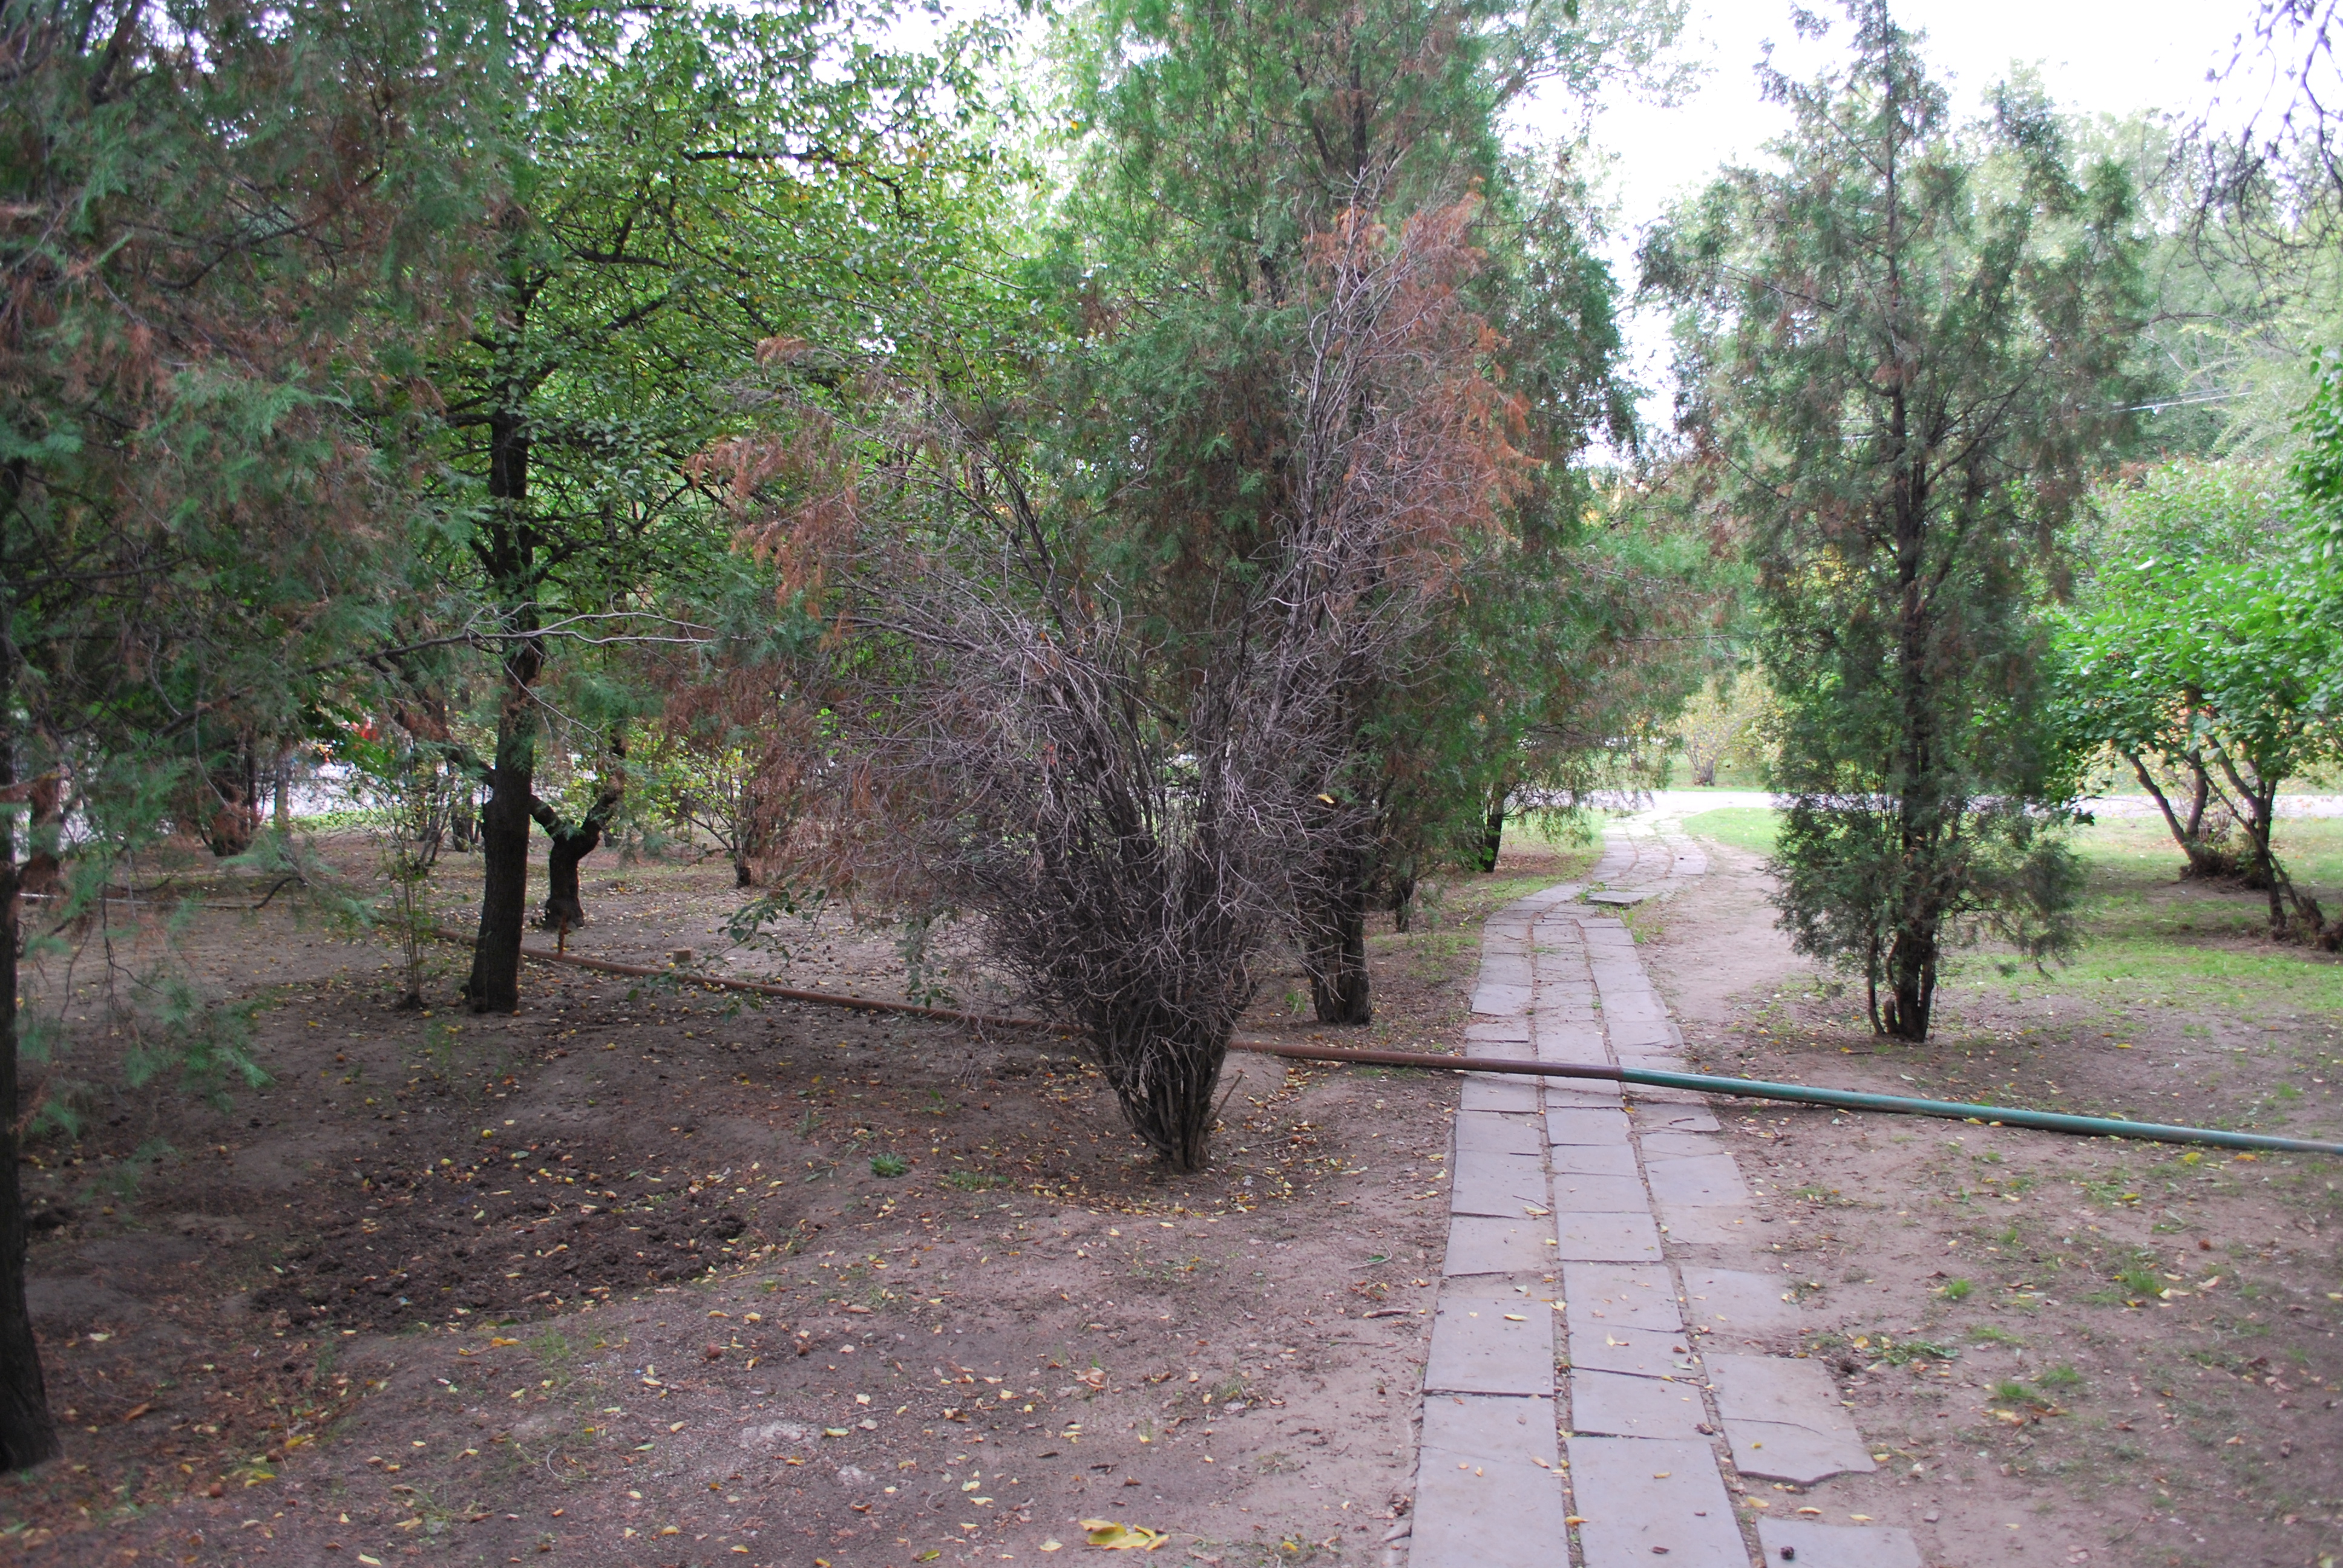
(1416, 1058)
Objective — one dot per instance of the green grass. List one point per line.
(1749, 828)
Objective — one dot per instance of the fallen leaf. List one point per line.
(1115, 1537)
(135, 1412)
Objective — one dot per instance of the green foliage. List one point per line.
(1907, 349)
(2195, 652)
(889, 1165)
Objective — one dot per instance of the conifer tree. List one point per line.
(1905, 353)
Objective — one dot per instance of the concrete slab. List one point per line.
(1616, 898)
(1495, 1132)
(1594, 1160)
(1708, 1182)
(1490, 1344)
(1738, 1299)
(1640, 1499)
(1599, 1346)
(1476, 1508)
(1589, 1126)
(1492, 1000)
(1489, 1246)
(1784, 1419)
(1505, 1185)
(1569, 1093)
(1663, 1142)
(1811, 1544)
(1489, 1092)
(1710, 1227)
(1483, 1426)
(1617, 1404)
(1622, 1295)
(1679, 1119)
(1607, 1239)
(1513, 1032)
(1577, 1193)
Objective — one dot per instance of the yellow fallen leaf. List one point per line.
(1515, 1318)
(1053, 1544)
(1115, 1537)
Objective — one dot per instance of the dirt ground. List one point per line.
(2062, 1350)
(624, 1279)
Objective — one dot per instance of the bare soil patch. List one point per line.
(2062, 1350)
(623, 1278)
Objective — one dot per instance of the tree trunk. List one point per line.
(495, 985)
(1912, 979)
(28, 1434)
(742, 875)
(564, 908)
(1402, 904)
(234, 818)
(1492, 837)
(2204, 859)
(1337, 944)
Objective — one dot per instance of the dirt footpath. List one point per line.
(641, 1276)
(2063, 1351)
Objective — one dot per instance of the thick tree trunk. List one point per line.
(743, 876)
(28, 1434)
(1402, 904)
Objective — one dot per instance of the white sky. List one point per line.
(2096, 57)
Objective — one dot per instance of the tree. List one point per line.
(1719, 722)
(1131, 810)
(676, 187)
(1226, 142)
(2181, 654)
(1904, 352)
(199, 208)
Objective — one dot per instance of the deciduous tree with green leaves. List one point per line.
(1905, 351)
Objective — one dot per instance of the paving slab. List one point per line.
(1591, 1126)
(1607, 1238)
(1489, 1246)
(1571, 1092)
(1662, 1142)
(1503, 1031)
(1494, 999)
(1497, 1132)
(1738, 1299)
(1490, 1344)
(1640, 1498)
(1505, 1185)
(1811, 1544)
(1577, 1193)
(1784, 1419)
(1492, 1092)
(1706, 1181)
(1702, 1226)
(1598, 1345)
(1483, 1495)
(1498, 1093)
(1680, 1118)
(1618, 1404)
(1623, 1295)
(1594, 1160)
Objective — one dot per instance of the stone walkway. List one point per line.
(1596, 1243)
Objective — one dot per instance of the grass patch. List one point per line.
(1750, 828)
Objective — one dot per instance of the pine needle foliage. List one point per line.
(1905, 348)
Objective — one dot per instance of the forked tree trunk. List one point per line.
(564, 908)
(2204, 859)
(1912, 980)
(1164, 1077)
(28, 1434)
